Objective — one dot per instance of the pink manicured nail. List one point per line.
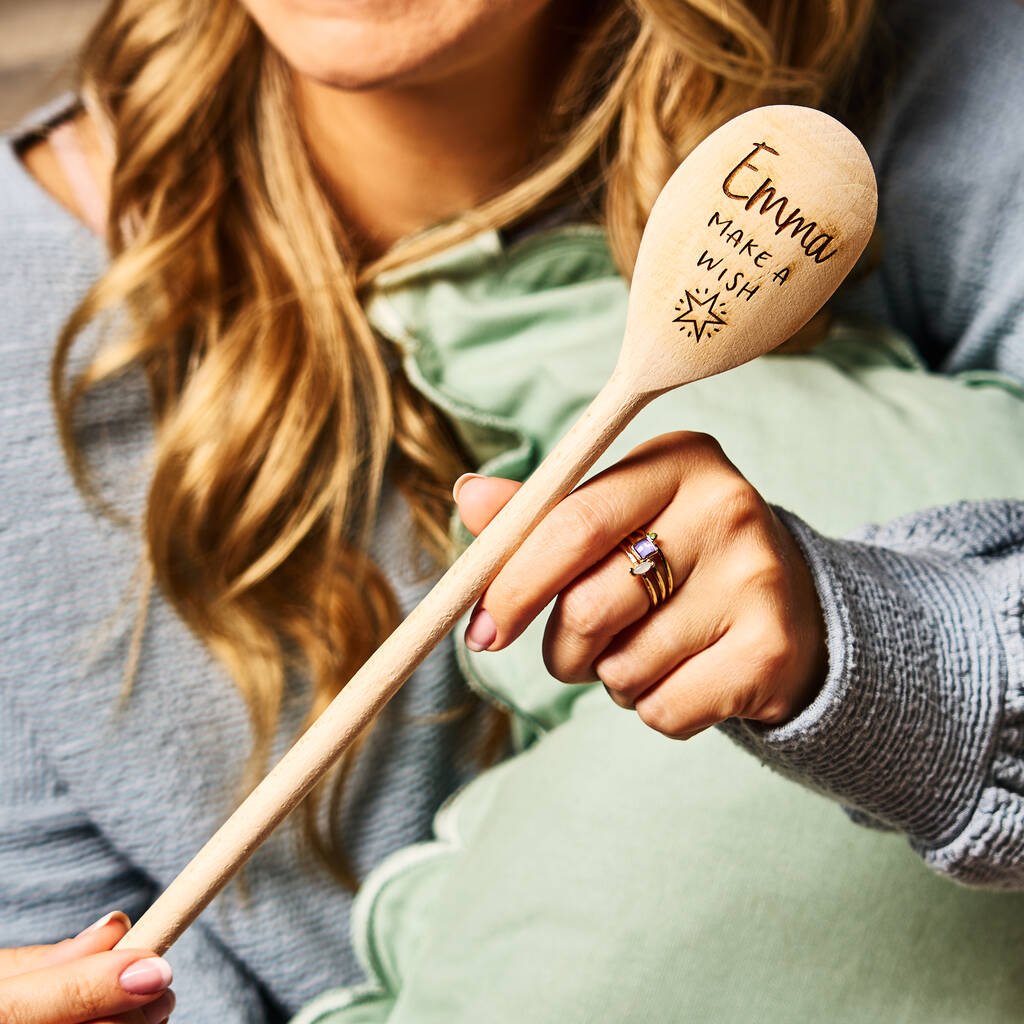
(159, 1010)
(146, 977)
(457, 486)
(103, 922)
(481, 631)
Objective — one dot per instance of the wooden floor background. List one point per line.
(38, 39)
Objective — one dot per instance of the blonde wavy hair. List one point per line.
(274, 409)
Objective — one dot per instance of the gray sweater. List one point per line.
(103, 801)
(920, 726)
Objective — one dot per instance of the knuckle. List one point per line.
(674, 443)
(768, 572)
(756, 571)
(660, 714)
(619, 674)
(582, 519)
(694, 452)
(617, 698)
(581, 611)
(567, 666)
(751, 576)
(772, 651)
(697, 444)
(577, 673)
(732, 704)
(83, 996)
(738, 502)
(774, 708)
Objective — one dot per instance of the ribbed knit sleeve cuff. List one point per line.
(920, 723)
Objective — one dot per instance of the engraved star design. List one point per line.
(700, 314)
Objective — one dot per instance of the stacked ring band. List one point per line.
(649, 564)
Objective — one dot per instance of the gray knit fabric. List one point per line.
(920, 726)
(102, 803)
(948, 153)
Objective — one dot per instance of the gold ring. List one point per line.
(648, 560)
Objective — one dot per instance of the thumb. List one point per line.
(96, 987)
(481, 498)
(103, 935)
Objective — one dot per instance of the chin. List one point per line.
(366, 44)
(350, 56)
(359, 61)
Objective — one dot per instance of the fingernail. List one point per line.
(145, 977)
(158, 1011)
(481, 631)
(104, 921)
(457, 486)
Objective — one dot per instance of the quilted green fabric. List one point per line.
(607, 873)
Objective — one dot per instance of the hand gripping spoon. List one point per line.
(748, 239)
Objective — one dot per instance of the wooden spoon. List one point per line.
(747, 240)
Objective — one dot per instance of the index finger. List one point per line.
(102, 935)
(88, 989)
(578, 532)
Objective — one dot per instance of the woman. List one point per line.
(262, 160)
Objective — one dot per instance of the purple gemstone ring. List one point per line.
(649, 564)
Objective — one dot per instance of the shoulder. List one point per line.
(949, 129)
(948, 149)
(48, 260)
(958, 73)
(49, 256)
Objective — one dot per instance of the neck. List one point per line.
(399, 159)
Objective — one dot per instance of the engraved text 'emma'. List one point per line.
(813, 241)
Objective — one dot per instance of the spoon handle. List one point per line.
(810, 216)
(383, 673)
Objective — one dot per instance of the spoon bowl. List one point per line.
(747, 240)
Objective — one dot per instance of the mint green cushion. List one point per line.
(621, 877)
(855, 432)
(609, 874)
